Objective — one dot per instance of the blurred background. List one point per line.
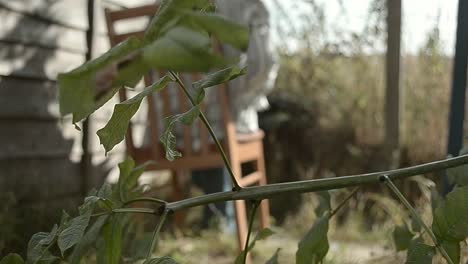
(336, 110)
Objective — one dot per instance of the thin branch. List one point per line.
(249, 231)
(135, 210)
(415, 214)
(236, 185)
(154, 240)
(266, 191)
(342, 203)
(146, 199)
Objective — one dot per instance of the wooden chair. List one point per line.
(240, 148)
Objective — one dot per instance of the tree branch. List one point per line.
(263, 192)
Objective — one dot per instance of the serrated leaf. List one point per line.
(314, 245)
(261, 235)
(453, 250)
(168, 139)
(161, 260)
(402, 237)
(88, 239)
(225, 30)
(105, 191)
(71, 235)
(12, 258)
(102, 202)
(419, 253)
(182, 49)
(112, 232)
(450, 221)
(116, 128)
(88, 87)
(324, 205)
(37, 252)
(213, 79)
(274, 258)
(128, 178)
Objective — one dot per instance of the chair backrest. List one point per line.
(166, 103)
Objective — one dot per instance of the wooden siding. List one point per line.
(39, 150)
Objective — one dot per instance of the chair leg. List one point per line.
(264, 206)
(177, 194)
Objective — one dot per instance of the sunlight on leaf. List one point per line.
(88, 87)
(223, 29)
(182, 49)
(167, 15)
(213, 79)
(114, 131)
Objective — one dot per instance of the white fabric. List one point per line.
(247, 94)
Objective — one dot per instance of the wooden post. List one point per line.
(86, 163)
(392, 92)
(457, 99)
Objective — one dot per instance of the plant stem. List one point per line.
(265, 191)
(100, 214)
(154, 240)
(135, 210)
(146, 199)
(342, 203)
(236, 185)
(249, 231)
(415, 214)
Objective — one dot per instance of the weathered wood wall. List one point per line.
(39, 151)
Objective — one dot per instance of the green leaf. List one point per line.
(168, 139)
(453, 250)
(459, 175)
(88, 239)
(419, 253)
(74, 231)
(213, 79)
(274, 258)
(168, 15)
(128, 178)
(50, 237)
(182, 49)
(161, 260)
(402, 237)
(324, 203)
(261, 235)
(102, 202)
(450, 221)
(38, 252)
(112, 232)
(114, 131)
(12, 258)
(223, 29)
(88, 87)
(314, 245)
